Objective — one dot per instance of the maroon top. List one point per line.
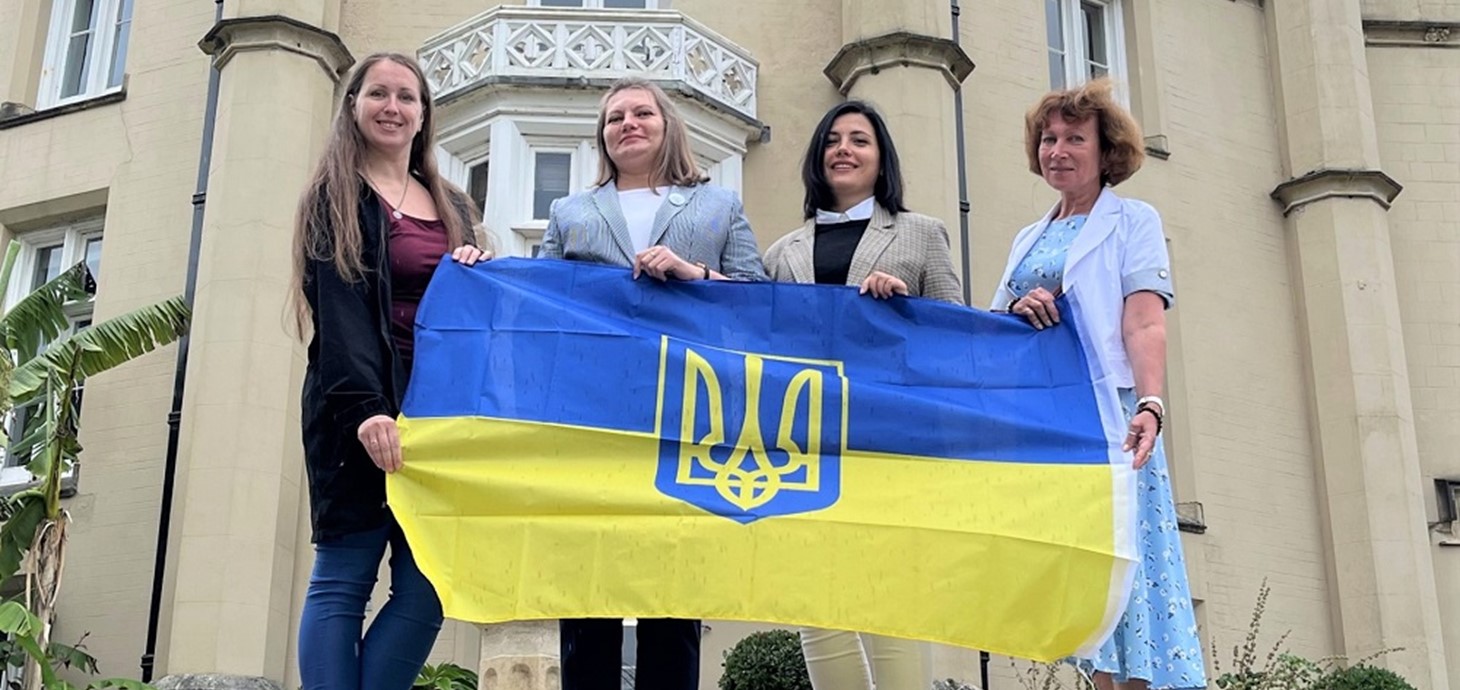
(416, 247)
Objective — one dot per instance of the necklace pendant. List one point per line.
(397, 214)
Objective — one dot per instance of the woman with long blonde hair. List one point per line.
(371, 227)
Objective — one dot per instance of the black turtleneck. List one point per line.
(832, 252)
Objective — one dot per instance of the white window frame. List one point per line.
(96, 73)
(1076, 51)
(528, 229)
(598, 5)
(72, 238)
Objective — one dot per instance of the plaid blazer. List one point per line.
(701, 224)
(910, 246)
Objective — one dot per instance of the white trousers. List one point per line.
(840, 660)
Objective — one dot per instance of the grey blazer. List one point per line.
(910, 246)
(702, 224)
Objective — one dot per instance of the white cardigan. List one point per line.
(1120, 250)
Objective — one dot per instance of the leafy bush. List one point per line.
(445, 676)
(1276, 669)
(1362, 677)
(770, 660)
(951, 684)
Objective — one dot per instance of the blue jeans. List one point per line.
(332, 653)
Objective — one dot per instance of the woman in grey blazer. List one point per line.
(650, 210)
(857, 231)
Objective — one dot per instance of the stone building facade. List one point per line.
(1305, 156)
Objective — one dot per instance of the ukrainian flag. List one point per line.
(580, 444)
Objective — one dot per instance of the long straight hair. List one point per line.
(887, 191)
(327, 221)
(675, 164)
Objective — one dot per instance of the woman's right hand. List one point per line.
(381, 439)
(1038, 307)
(469, 255)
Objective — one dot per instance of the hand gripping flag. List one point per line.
(580, 444)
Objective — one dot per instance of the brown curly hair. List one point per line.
(1122, 148)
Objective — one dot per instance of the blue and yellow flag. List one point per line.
(580, 444)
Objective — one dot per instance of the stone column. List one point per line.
(1381, 576)
(228, 617)
(897, 56)
(521, 655)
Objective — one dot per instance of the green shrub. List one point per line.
(445, 676)
(1362, 677)
(770, 660)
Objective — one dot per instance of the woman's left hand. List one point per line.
(1038, 306)
(1141, 437)
(662, 263)
(469, 255)
(882, 285)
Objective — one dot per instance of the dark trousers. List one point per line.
(668, 654)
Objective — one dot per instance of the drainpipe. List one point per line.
(174, 417)
(963, 208)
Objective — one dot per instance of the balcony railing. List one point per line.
(537, 42)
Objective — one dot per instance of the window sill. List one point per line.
(1158, 147)
(1190, 517)
(532, 230)
(27, 116)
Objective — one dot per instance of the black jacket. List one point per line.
(354, 373)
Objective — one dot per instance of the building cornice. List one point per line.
(898, 49)
(230, 37)
(1382, 32)
(1328, 184)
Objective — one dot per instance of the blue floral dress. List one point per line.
(1156, 639)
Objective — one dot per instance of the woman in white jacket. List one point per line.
(1109, 254)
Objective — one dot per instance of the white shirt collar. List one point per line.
(861, 211)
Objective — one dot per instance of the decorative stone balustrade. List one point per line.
(543, 44)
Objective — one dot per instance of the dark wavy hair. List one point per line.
(888, 190)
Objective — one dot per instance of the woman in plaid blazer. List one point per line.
(857, 231)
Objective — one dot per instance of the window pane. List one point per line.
(119, 44)
(476, 185)
(93, 256)
(549, 181)
(78, 46)
(1096, 51)
(561, 3)
(1054, 30)
(81, 18)
(47, 266)
(1054, 35)
(626, 4)
(74, 68)
(1056, 70)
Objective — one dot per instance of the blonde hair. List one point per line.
(327, 221)
(1122, 148)
(675, 163)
